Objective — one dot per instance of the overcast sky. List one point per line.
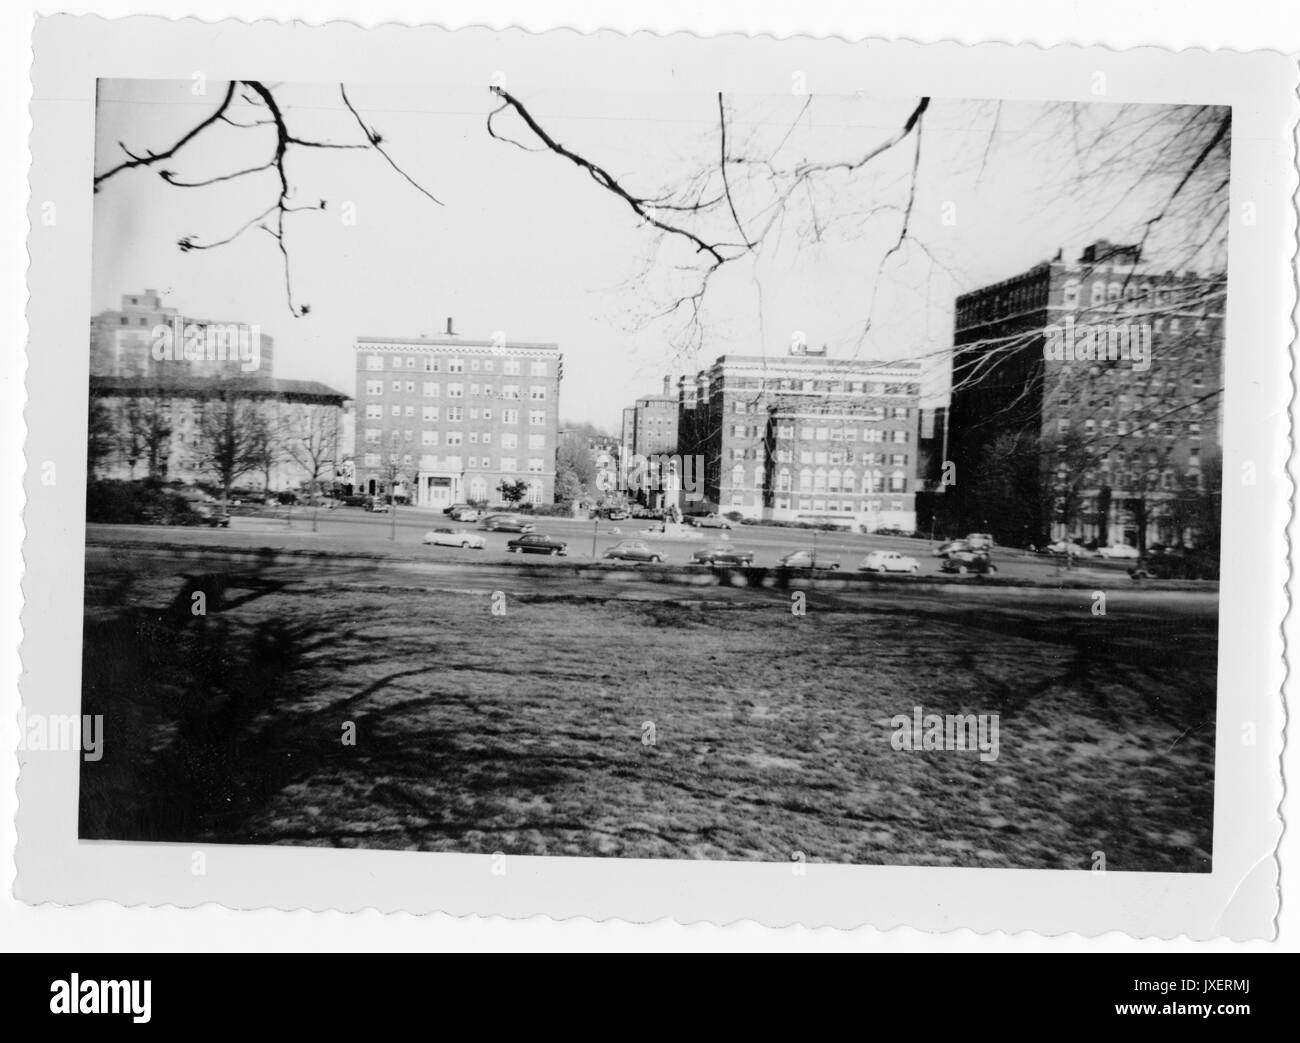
(526, 243)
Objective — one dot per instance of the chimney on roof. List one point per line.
(450, 331)
(668, 384)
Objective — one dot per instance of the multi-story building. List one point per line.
(146, 338)
(155, 427)
(1108, 373)
(447, 419)
(804, 438)
(654, 423)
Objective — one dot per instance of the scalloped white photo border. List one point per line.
(1238, 899)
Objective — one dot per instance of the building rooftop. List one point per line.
(254, 384)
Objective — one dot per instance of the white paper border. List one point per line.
(1237, 899)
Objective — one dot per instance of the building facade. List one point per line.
(446, 419)
(1106, 371)
(128, 342)
(154, 428)
(804, 438)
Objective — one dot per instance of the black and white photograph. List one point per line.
(704, 477)
(488, 461)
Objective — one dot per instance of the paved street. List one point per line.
(355, 530)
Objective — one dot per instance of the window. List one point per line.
(410, 362)
(537, 369)
(509, 416)
(1070, 295)
(473, 438)
(1193, 430)
(535, 465)
(455, 413)
(785, 431)
(431, 365)
(374, 411)
(897, 482)
(455, 390)
(509, 440)
(508, 464)
(429, 414)
(489, 365)
(373, 436)
(823, 434)
(374, 387)
(737, 430)
(473, 414)
(455, 365)
(537, 418)
(899, 412)
(408, 435)
(487, 414)
(850, 434)
(1090, 427)
(455, 438)
(487, 438)
(510, 392)
(410, 411)
(374, 362)
(428, 437)
(1062, 426)
(396, 410)
(473, 391)
(487, 390)
(372, 459)
(536, 441)
(474, 365)
(431, 389)
(819, 458)
(537, 393)
(1098, 293)
(1113, 291)
(805, 457)
(510, 367)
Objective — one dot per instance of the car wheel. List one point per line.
(555, 552)
(656, 560)
(993, 568)
(464, 545)
(914, 569)
(961, 570)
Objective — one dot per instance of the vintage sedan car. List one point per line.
(634, 550)
(889, 561)
(722, 554)
(212, 514)
(709, 521)
(805, 559)
(966, 561)
(507, 523)
(1119, 550)
(951, 547)
(465, 514)
(615, 513)
(1176, 565)
(1070, 548)
(979, 541)
(536, 543)
(455, 538)
(377, 505)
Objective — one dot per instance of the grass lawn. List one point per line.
(527, 732)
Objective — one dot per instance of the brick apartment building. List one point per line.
(1120, 441)
(122, 341)
(447, 419)
(805, 438)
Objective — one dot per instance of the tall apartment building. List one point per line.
(805, 438)
(1112, 370)
(447, 419)
(653, 423)
(122, 342)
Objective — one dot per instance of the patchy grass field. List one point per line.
(529, 732)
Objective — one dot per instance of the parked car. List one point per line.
(455, 538)
(951, 547)
(1118, 550)
(507, 523)
(634, 550)
(1170, 565)
(804, 559)
(536, 543)
(889, 530)
(454, 508)
(212, 515)
(465, 514)
(355, 501)
(889, 561)
(722, 554)
(709, 521)
(615, 513)
(965, 561)
(377, 505)
(979, 541)
(1070, 548)
(651, 513)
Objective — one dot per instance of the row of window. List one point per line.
(432, 389)
(1101, 292)
(509, 464)
(833, 387)
(454, 414)
(808, 433)
(433, 364)
(509, 440)
(845, 506)
(824, 481)
(1169, 428)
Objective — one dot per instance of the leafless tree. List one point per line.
(230, 433)
(313, 443)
